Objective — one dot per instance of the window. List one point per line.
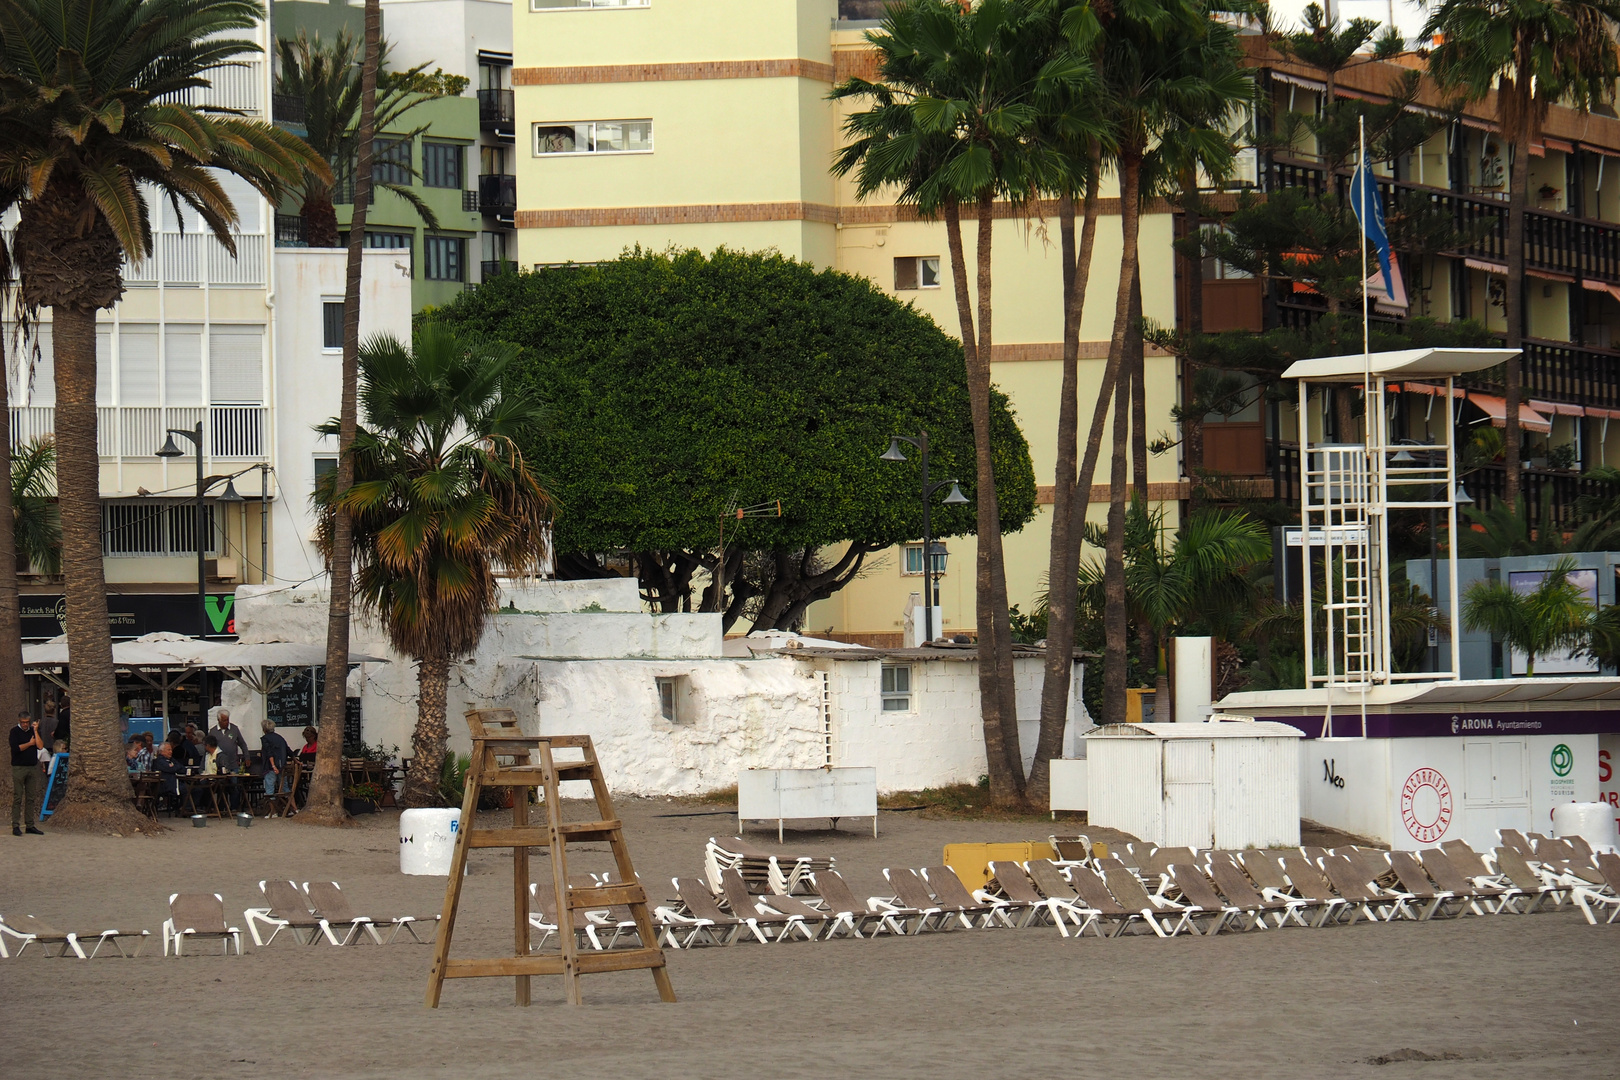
(492, 161)
(332, 324)
(672, 697)
(896, 687)
(391, 161)
(324, 466)
(236, 364)
(441, 164)
(569, 5)
(916, 272)
(914, 558)
(594, 137)
(494, 74)
(444, 258)
(154, 527)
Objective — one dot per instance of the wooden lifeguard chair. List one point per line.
(503, 756)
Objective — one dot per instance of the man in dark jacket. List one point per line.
(274, 750)
(26, 778)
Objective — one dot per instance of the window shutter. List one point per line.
(236, 364)
(138, 365)
(182, 366)
(104, 367)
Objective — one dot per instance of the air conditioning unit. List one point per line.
(225, 569)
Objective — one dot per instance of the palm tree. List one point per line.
(36, 528)
(325, 76)
(442, 499)
(1553, 615)
(1171, 583)
(1167, 68)
(1531, 53)
(90, 112)
(952, 123)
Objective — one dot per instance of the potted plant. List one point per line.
(362, 798)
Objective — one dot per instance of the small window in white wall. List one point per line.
(916, 272)
(896, 687)
(672, 704)
(331, 324)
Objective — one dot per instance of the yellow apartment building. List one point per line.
(702, 123)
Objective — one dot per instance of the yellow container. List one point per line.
(972, 861)
(1139, 700)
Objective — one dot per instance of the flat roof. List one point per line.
(1206, 729)
(1460, 692)
(1408, 363)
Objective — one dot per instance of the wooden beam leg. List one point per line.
(559, 877)
(520, 890)
(452, 889)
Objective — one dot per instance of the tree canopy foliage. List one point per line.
(683, 386)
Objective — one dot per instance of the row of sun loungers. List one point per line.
(1163, 891)
(318, 911)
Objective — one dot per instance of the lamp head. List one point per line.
(229, 495)
(169, 449)
(893, 453)
(1402, 457)
(1463, 498)
(955, 497)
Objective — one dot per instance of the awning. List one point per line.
(1556, 408)
(1413, 363)
(1478, 125)
(1425, 388)
(1488, 267)
(1602, 286)
(1296, 80)
(1496, 408)
(1549, 275)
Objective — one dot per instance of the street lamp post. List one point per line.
(954, 498)
(170, 450)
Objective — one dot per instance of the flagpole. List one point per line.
(1361, 212)
(1375, 474)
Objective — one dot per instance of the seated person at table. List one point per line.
(211, 759)
(137, 756)
(193, 745)
(168, 771)
(306, 753)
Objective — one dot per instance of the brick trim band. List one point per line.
(778, 211)
(691, 72)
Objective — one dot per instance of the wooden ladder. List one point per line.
(504, 757)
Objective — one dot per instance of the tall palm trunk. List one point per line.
(1146, 644)
(1519, 182)
(1192, 271)
(1006, 779)
(99, 794)
(325, 805)
(1063, 563)
(12, 697)
(432, 732)
(1114, 621)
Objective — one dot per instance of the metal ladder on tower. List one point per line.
(504, 757)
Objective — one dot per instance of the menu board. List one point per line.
(56, 783)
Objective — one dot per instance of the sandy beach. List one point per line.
(1479, 997)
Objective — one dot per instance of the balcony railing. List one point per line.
(230, 431)
(289, 109)
(235, 87)
(1556, 490)
(198, 259)
(1556, 242)
(290, 231)
(496, 111)
(497, 194)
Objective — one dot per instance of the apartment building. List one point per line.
(1571, 314)
(700, 124)
(454, 153)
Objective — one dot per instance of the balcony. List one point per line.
(290, 111)
(1556, 242)
(231, 432)
(290, 231)
(495, 268)
(235, 87)
(1554, 489)
(497, 194)
(496, 112)
(197, 259)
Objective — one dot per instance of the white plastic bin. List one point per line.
(1593, 820)
(427, 839)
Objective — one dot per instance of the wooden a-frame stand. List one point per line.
(504, 757)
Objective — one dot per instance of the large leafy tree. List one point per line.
(950, 123)
(683, 386)
(442, 500)
(1530, 53)
(325, 77)
(92, 112)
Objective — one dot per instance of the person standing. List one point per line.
(27, 782)
(233, 749)
(64, 722)
(274, 749)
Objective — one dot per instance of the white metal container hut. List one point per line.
(1218, 784)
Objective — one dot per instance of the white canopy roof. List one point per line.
(1209, 729)
(242, 654)
(1404, 363)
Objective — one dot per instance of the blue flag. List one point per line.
(1370, 212)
